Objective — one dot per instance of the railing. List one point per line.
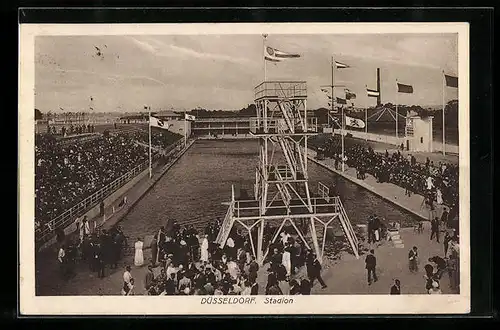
(279, 125)
(316, 202)
(323, 191)
(68, 216)
(281, 89)
(79, 138)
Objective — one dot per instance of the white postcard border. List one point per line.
(151, 305)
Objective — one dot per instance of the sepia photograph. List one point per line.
(244, 167)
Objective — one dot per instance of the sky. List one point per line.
(219, 72)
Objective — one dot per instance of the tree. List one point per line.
(38, 114)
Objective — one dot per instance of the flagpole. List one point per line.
(331, 96)
(150, 157)
(343, 169)
(444, 139)
(185, 129)
(366, 115)
(264, 50)
(397, 98)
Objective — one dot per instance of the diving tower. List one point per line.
(281, 191)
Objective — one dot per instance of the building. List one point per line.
(229, 127)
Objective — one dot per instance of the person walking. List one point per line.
(446, 243)
(314, 271)
(61, 258)
(396, 287)
(435, 229)
(127, 279)
(413, 260)
(148, 279)
(154, 251)
(99, 260)
(371, 264)
(139, 255)
(444, 217)
(204, 249)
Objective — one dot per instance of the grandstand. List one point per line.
(68, 171)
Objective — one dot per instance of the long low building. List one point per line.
(222, 127)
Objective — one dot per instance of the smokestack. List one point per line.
(378, 88)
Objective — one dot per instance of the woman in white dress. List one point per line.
(439, 197)
(286, 261)
(204, 249)
(139, 255)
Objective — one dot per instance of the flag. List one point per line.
(341, 101)
(335, 119)
(340, 65)
(275, 55)
(325, 90)
(402, 88)
(451, 81)
(349, 95)
(189, 117)
(372, 92)
(157, 122)
(354, 122)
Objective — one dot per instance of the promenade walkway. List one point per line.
(348, 275)
(388, 191)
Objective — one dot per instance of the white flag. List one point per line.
(157, 122)
(354, 122)
(189, 117)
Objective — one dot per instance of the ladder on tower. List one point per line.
(348, 230)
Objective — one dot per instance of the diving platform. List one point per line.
(281, 190)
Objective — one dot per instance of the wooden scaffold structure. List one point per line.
(281, 191)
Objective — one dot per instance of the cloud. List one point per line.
(144, 45)
(159, 48)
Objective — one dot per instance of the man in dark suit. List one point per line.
(396, 288)
(314, 270)
(435, 229)
(444, 217)
(371, 263)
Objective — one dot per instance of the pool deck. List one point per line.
(387, 191)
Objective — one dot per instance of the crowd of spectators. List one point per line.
(437, 182)
(72, 129)
(65, 174)
(190, 266)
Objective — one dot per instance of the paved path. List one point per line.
(388, 191)
(348, 275)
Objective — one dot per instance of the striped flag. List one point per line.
(372, 92)
(340, 65)
(451, 81)
(402, 88)
(275, 55)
